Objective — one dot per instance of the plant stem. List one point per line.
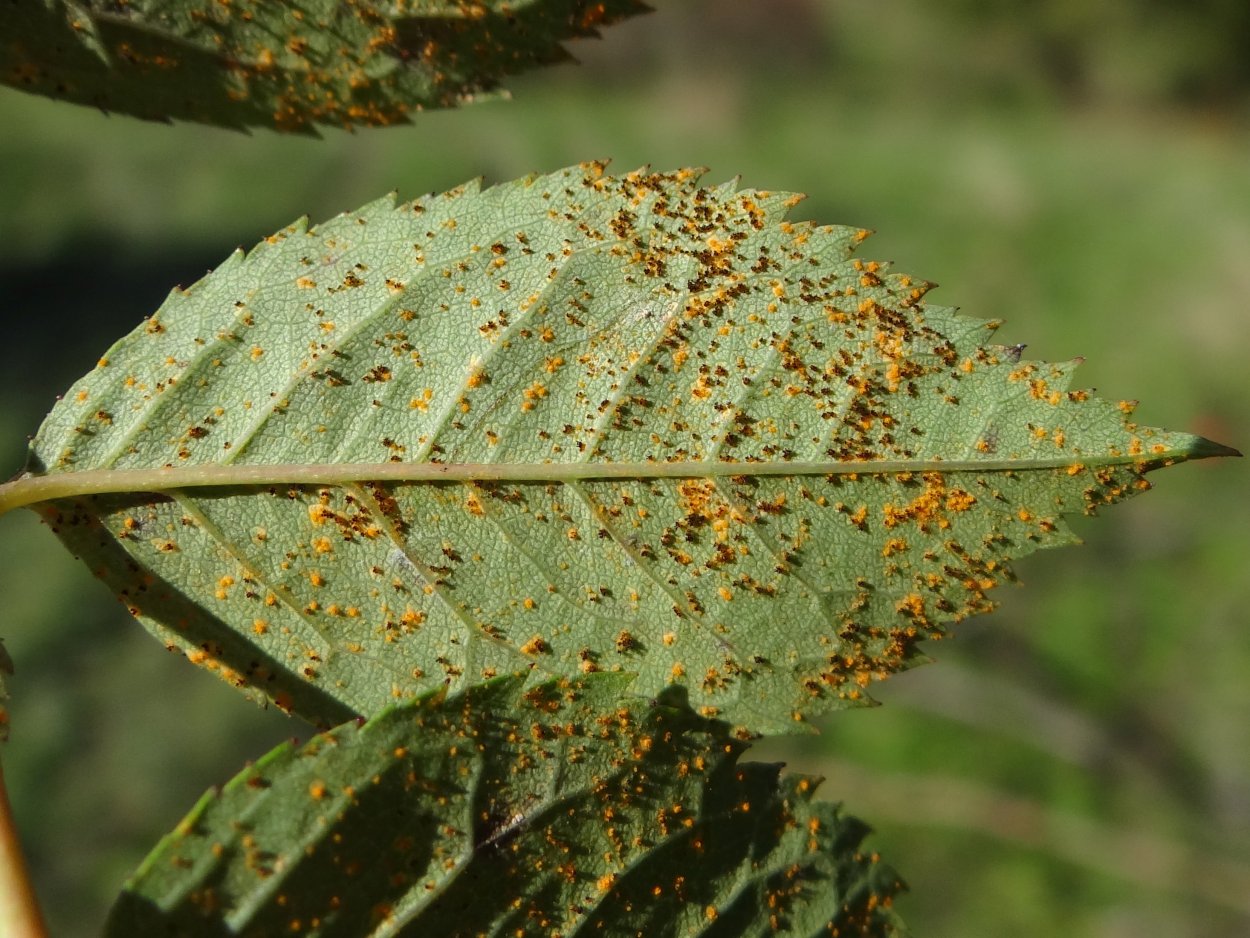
(20, 916)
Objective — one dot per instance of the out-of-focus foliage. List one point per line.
(1194, 53)
(289, 66)
(1141, 54)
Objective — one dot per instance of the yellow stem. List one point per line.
(20, 916)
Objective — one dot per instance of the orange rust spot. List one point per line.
(959, 500)
(319, 514)
(930, 506)
(912, 605)
(532, 394)
(893, 546)
(536, 646)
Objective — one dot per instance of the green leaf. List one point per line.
(574, 422)
(6, 669)
(289, 66)
(560, 811)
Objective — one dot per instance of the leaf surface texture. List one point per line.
(564, 811)
(288, 66)
(573, 423)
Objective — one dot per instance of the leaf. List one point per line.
(561, 812)
(574, 422)
(6, 669)
(289, 66)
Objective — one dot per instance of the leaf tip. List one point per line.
(1202, 448)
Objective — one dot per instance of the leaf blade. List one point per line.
(572, 423)
(292, 67)
(467, 814)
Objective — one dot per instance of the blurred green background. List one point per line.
(1076, 764)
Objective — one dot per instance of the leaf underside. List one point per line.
(817, 468)
(289, 66)
(564, 811)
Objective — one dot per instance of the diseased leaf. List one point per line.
(289, 66)
(574, 422)
(564, 811)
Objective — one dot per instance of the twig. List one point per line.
(20, 916)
